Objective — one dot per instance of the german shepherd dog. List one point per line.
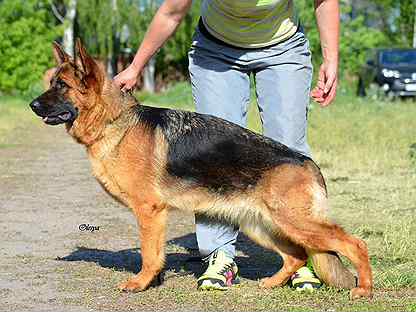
(153, 159)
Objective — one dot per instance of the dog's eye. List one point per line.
(61, 84)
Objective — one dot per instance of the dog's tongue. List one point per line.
(64, 116)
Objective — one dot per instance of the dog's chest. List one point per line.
(105, 172)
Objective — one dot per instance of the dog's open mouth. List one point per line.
(58, 119)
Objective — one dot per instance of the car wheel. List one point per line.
(391, 96)
(360, 88)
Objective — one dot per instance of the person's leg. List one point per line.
(283, 81)
(222, 89)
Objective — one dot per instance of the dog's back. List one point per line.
(213, 153)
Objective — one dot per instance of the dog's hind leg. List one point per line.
(323, 236)
(294, 256)
(152, 225)
(290, 196)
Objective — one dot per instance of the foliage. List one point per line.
(174, 54)
(98, 22)
(102, 24)
(405, 22)
(394, 18)
(102, 30)
(357, 38)
(26, 32)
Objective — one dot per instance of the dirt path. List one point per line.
(48, 264)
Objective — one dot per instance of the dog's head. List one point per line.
(74, 88)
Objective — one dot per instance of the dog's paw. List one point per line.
(264, 283)
(357, 293)
(134, 284)
(269, 282)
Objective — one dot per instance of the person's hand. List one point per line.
(127, 79)
(326, 88)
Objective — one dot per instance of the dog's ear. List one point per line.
(87, 65)
(59, 53)
(83, 60)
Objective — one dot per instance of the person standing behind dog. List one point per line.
(235, 39)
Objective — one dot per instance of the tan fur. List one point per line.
(47, 77)
(285, 211)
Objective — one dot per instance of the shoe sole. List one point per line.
(208, 286)
(309, 287)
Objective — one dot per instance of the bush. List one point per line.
(355, 41)
(26, 32)
(172, 59)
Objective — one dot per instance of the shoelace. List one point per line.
(213, 268)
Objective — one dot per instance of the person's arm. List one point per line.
(164, 23)
(327, 18)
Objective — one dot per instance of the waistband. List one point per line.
(202, 28)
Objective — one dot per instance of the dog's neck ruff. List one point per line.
(111, 134)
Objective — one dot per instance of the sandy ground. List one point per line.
(48, 264)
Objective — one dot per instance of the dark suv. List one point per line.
(392, 70)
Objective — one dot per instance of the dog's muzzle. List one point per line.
(66, 114)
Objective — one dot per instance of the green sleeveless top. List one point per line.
(249, 23)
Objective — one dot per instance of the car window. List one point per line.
(398, 57)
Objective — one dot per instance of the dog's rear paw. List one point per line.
(269, 282)
(357, 293)
(134, 284)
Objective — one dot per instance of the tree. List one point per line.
(68, 20)
(405, 22)
(414, 27)
(358, 33)
(99, 27)
(27, 29)
(396, 19)
(136, 17)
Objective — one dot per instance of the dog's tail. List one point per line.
(327, 265)
(331, 271)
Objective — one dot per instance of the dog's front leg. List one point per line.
(152, 224)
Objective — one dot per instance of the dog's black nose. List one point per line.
(35, 105)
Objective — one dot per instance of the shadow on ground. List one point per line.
(254, 263)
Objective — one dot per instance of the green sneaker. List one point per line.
(304, 279)
(222, 272)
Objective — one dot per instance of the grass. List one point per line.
(367, 152)
(14, 114)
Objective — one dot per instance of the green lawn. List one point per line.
(14, 114)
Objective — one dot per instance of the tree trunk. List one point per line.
(114, 49)
(149, 84)
(71, 13)
(414, 27)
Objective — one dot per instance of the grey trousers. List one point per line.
(220, 78)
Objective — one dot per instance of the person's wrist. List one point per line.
(330, 55)
(136, 68)
(330, 64)
(332, 59)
